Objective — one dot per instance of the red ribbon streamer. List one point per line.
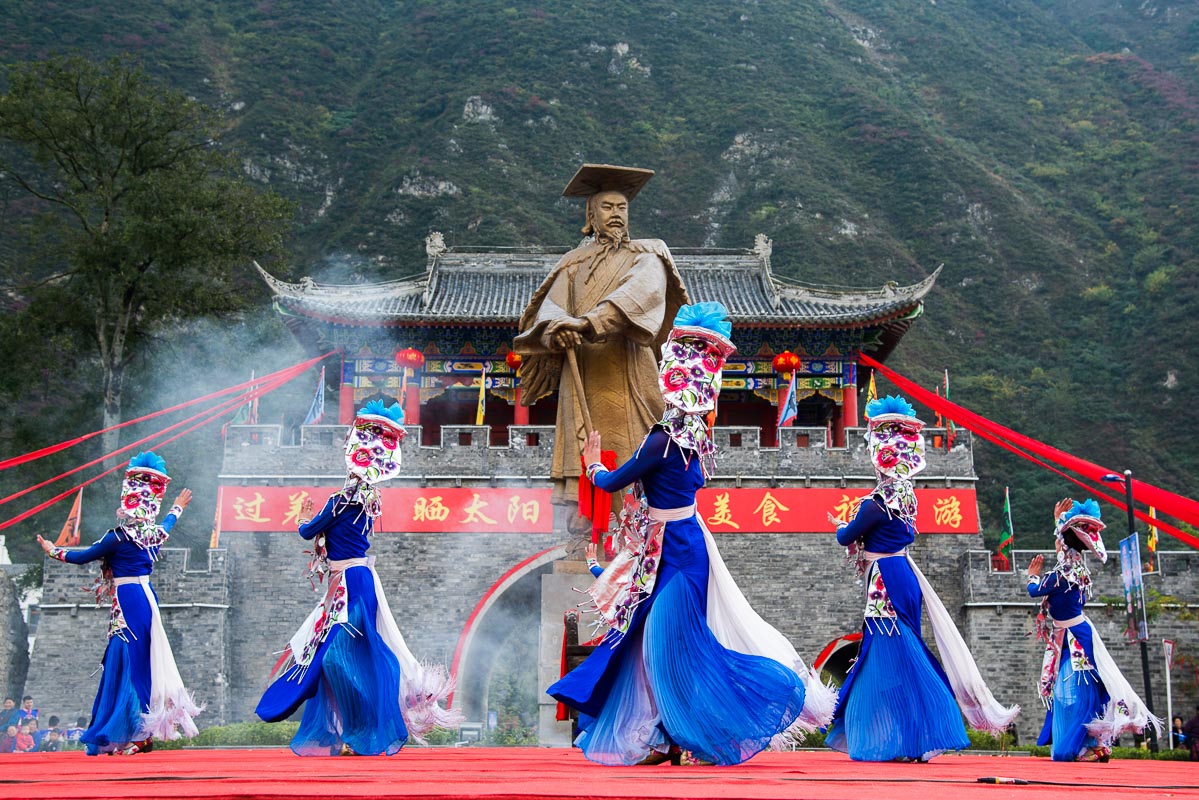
(594, 503)
(54, 448)
(283, 377)
(213, 415)
(1175, 505)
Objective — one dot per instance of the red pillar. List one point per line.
(849, 407)
(839, 428)
(520, 414)
(412, 401)
(345, 404)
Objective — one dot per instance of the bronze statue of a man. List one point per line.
(612, 301)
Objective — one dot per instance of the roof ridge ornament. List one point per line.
(763, 248)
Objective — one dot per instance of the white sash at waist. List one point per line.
(872, 557)
(343, 564)
(1069, 623)
(672, 514)
(142, 579)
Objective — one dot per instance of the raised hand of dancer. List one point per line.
(183, 499)
(305, 511)
(1063, 505)
(45, 545)
(1034, 566)
(837, 522)
(591, 450)
(590, 551)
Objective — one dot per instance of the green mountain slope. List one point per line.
(1045, 152)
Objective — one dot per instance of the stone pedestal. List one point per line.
(560, 592)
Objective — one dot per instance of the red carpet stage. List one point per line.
(544, 773)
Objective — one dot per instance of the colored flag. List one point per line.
(214, 540)
(482, 395)
(871, 396)
(1009, 534)
(316, 412)
(950, 430)
(789, 406)
(1151, 541)
(69, 535)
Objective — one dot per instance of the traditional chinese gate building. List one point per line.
(460, 315)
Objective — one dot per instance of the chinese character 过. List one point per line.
(250, 510)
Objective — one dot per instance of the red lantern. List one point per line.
(410, 358)
(785, 362)
(513, 360)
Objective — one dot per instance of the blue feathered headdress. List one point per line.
(891, 408)
(707, 321)
(375, 408)
(148, 460)
(1087, 508)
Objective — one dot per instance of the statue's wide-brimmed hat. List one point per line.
(595, 178)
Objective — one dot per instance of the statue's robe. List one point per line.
(629, 294)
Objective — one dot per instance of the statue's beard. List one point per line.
(612, 236)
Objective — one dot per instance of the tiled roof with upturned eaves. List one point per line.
(460, 286)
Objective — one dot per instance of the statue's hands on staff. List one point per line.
(591, 450)
(1034, 566)
(567, 333)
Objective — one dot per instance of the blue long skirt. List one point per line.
(124, 692)
(896, 702)
(1078, 698)
(352, 685)
(669, 681)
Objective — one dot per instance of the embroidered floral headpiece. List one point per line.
(373, 443)
(143, 488)
(1086, 520)
(690, 371)
(372, 453)
(896, 448)
(893, 437)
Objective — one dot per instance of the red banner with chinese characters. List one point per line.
(435, 509)
(806, 510)
(428, 510)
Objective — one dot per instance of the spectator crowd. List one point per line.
(21, 730)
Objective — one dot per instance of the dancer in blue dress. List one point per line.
(687, 663)
(898, 702)
(366, 693)
(1089, 703)
(141, 695)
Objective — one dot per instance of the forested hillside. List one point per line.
(1045, 151)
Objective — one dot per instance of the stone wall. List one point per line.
(254, 453)
(14, 644)
(432, 582)
(71, 633)
(1001, 621)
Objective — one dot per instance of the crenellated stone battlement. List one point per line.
(466, 455)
